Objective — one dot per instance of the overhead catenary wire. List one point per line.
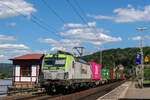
(53, 11)
(77, 13)
(94, 27)
(83, 18)
(37, 21)
(61, 19)
(83, 13)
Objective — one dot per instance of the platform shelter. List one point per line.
(26, 68)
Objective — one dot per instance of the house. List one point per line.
(120, 67)
(26, 69)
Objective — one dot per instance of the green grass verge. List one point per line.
(146, 82)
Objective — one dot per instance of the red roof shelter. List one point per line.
(26, 68)
(28, 57)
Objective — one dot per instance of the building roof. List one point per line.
(28, 57)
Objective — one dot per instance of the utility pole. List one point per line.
(142, 62)
(101, 57)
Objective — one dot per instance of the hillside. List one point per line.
(114, 57)
(126, 57)
(5, 70)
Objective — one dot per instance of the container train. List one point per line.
(63, 71)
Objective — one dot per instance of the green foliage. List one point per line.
(147, 73)
(5, 70)
(114, 57)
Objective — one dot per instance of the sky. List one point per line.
(45, 26)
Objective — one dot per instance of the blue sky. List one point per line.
(29, 26)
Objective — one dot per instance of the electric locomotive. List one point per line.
(62, 71)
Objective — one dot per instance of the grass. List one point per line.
(146, 82)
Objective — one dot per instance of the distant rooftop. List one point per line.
(28, 57)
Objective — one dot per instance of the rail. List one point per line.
(80, 95)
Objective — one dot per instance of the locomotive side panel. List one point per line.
(82, 71)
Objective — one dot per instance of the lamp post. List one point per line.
(141, 51)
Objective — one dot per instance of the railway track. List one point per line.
(90, 94)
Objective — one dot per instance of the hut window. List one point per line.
(25, 71)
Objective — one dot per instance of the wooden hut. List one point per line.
(26, 70)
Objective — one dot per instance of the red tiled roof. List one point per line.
(28, 56)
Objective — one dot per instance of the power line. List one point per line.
(33, 19)
(53, 11)
(83, 13)
(81, 9)
(82, 18)
(44, 23)
(74, 9)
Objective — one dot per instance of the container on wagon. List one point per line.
(96, 71)
(122, 76)
(118, 76)
(110, 74)
(114, 74)
(104, 74)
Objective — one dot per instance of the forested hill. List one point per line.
(114, 57)
(5, 70)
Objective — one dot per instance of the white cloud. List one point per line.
(77, 35)
(129, 14)
(58, 48)
(72, 25)
(99, 16)
(3, 58)
(4, 38)
(139, 38)
(10, 8)
(147, 37)
(48, 40)
(88, 35)
(12, 24)
(13, 46)
(135, 38)
(63, 44)
(12, 50)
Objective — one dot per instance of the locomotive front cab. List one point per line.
(53, 67)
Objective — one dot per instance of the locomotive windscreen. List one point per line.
(55, 62)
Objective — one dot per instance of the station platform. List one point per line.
(135, 93)
(128, 91)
